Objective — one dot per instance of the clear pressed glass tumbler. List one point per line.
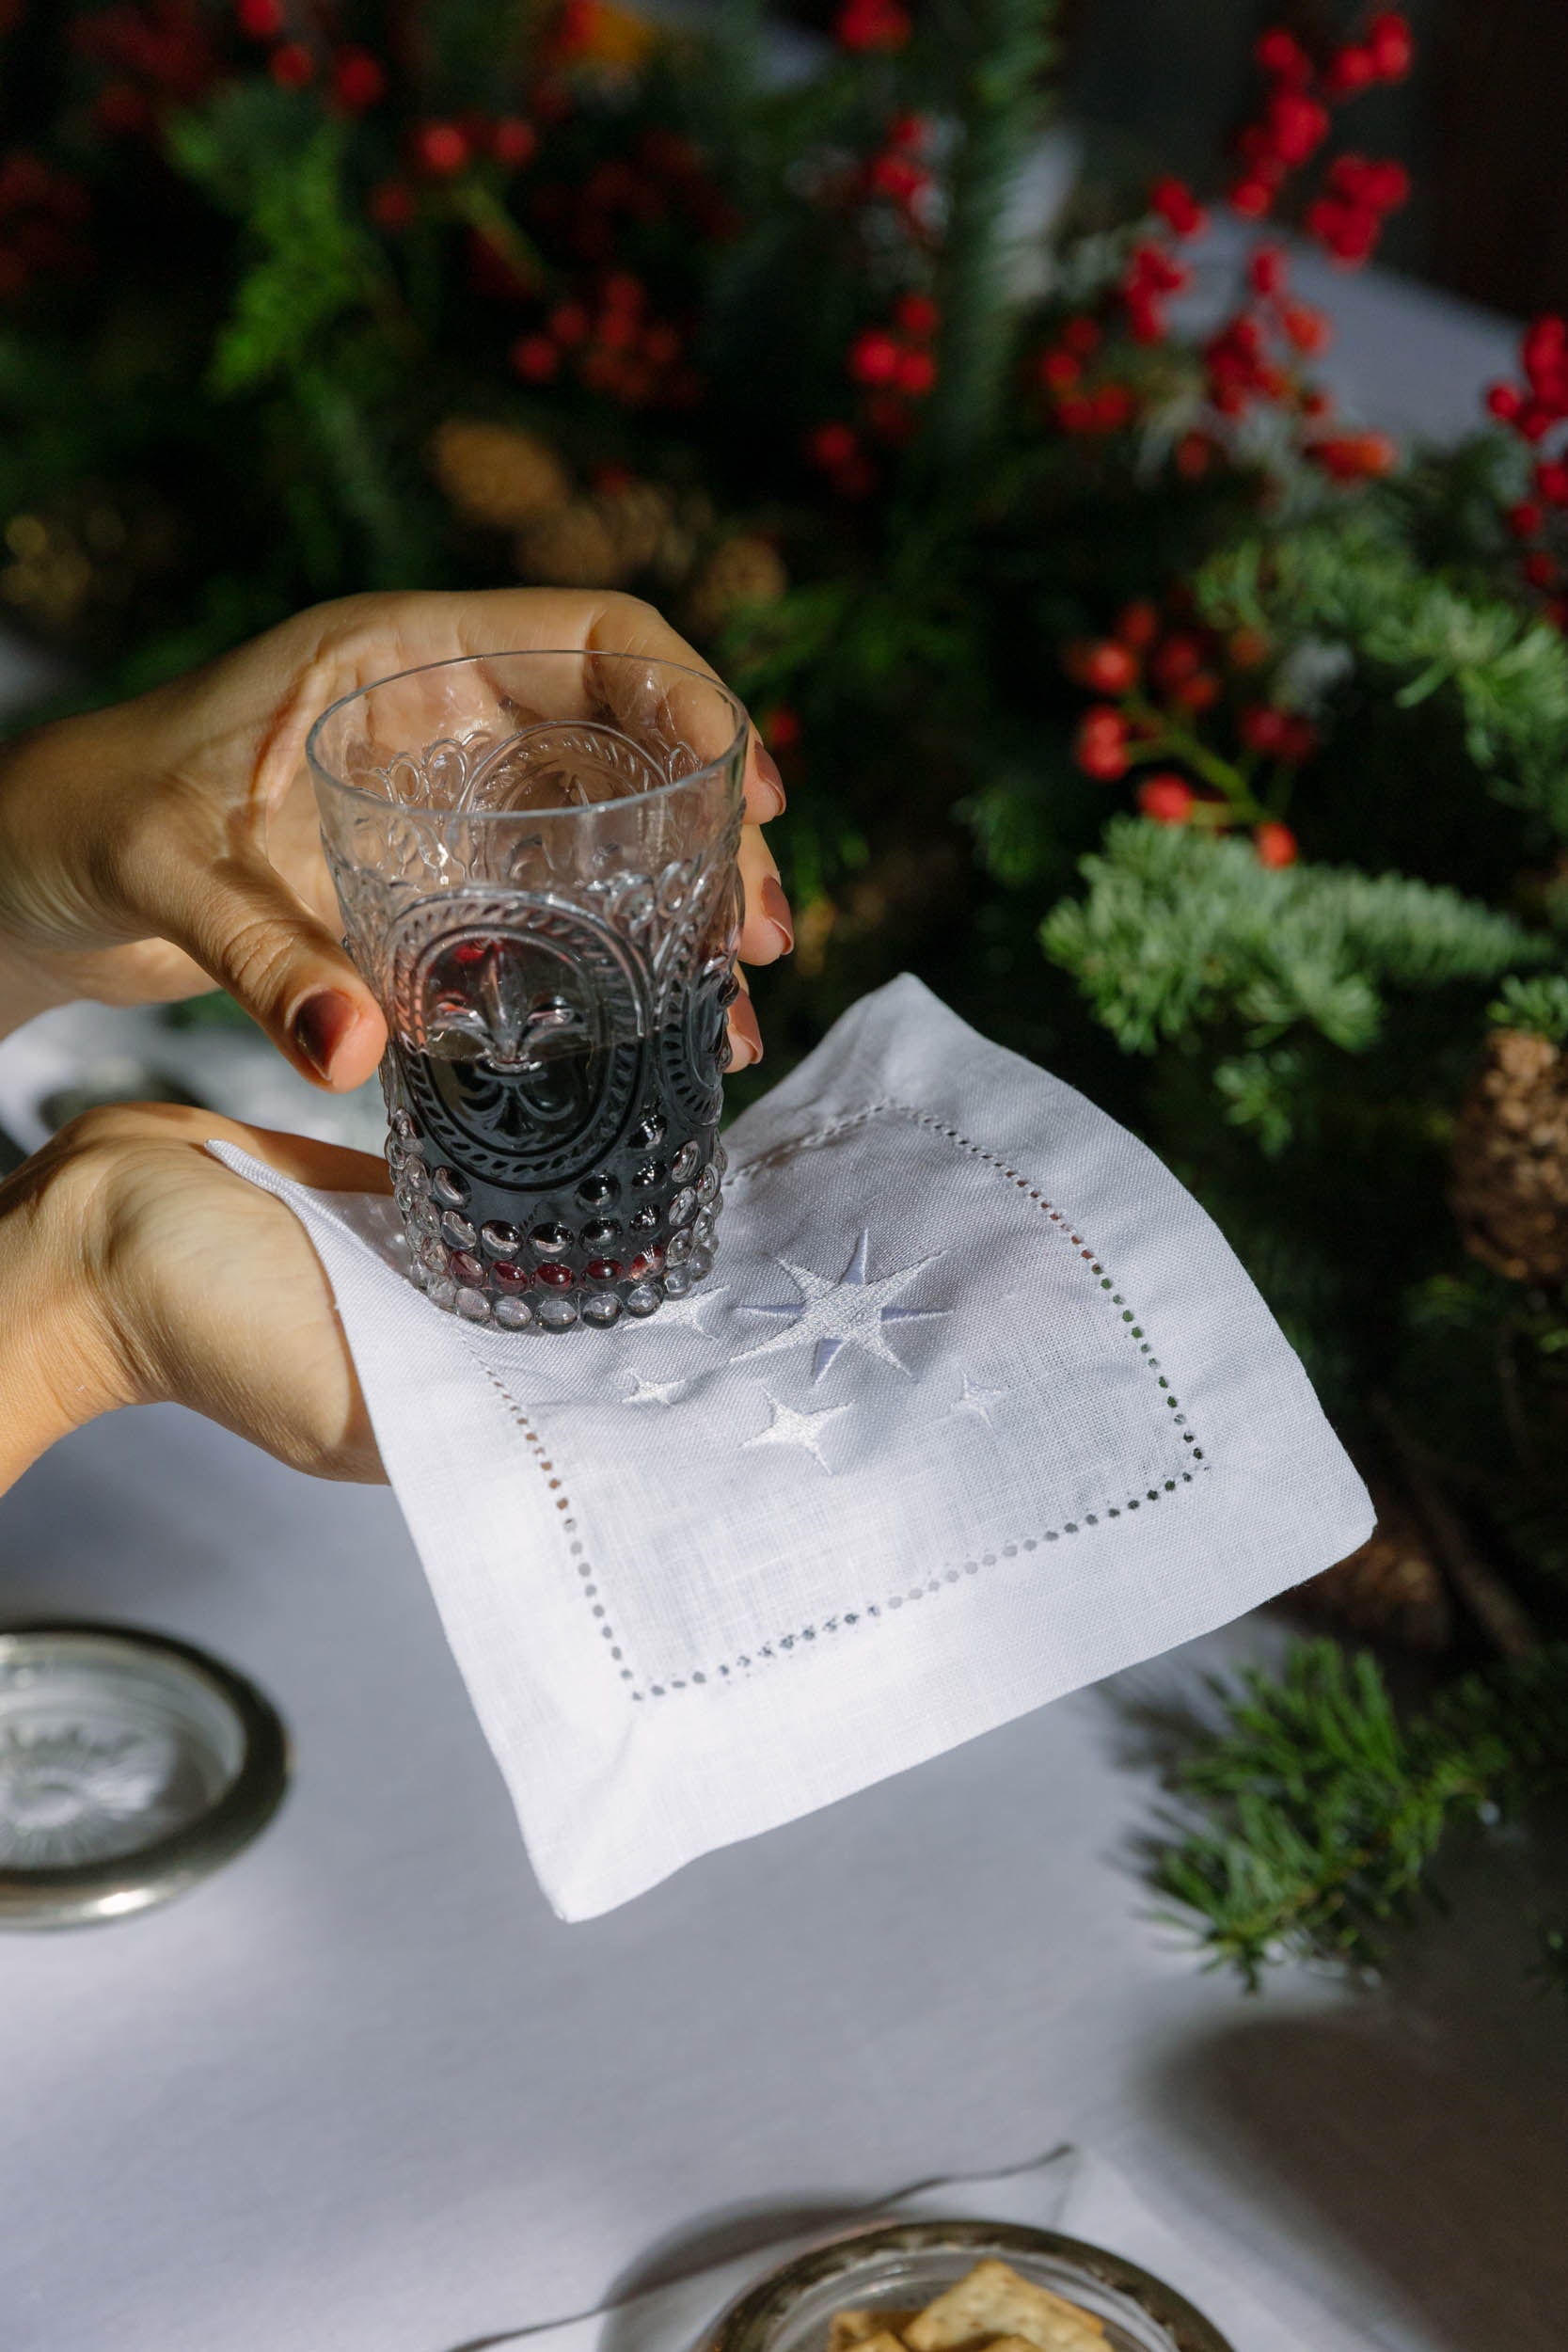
(536, 858)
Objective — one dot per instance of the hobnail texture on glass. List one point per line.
(534, 854)
(900, 2265)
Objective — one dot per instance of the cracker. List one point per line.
(995, 2301)
(855, 2329)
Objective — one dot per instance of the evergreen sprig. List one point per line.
(1322, 1813)
(1539, 1005)
(1351, 581)
(1004, 47)
(311, 260)
(1179, 931)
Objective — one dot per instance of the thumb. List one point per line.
(238, 918)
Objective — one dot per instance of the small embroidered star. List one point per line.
(975, 1400)
(652, 1391)
(850, 1312)
(790, 1427)
(683, 1312)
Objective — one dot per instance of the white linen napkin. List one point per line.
(1069, 2190)
(976, 1408)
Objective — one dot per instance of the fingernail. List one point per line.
(767, 768)
(776, 907)
(743, 1021)
(320, 1025)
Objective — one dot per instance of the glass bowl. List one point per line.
(906, 2263)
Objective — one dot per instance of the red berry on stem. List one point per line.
(1504, 400)
(1200, 692)
(1106, 667)
(1282, 55)
(1309, 331)
(1392, 47)
(917, 373)
(262, 19)
(513, 141)
(1178, 659)
(357, 80)
(1252, 198)
(1178, 207)
(1167, 799)
(1059, 370)
(1551, 480)
(874, 357)
(391, 205)
(441, 148)
(917, 314)
(1083, 336)
(1540, 571)
(832, 445)
(1352, 69)
(1276, 844)
(535, 358)
(1268, 269)
(1525, 521)
(291, 65)
(1099, 746)
(1138, 624)
(1262, 729)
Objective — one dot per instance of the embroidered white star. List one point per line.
(975, 1400)
(678, 1312)
(652, 1391)
(790, 1427)
(850, 1312)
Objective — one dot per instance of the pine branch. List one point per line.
(1322, 1814)
(1005, 46)
(1539, 1006)
(1348, 580)
(1179, 931)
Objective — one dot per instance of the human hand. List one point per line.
(150, 849)
(135, 1270)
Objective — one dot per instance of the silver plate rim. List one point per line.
(94, 1893)
(746, 2324)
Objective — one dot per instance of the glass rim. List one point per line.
(512, 816)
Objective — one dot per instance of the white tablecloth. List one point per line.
(363, 2093)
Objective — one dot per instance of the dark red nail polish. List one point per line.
(776, 907)
(743, 1021)
(767, 768)
(320, 1025)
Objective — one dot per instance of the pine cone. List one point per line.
(572, 549)
(1509, 1168)
(496, 475)
(741, 571)
(1391, 1587)
(637, 518)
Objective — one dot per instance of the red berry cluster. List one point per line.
(158, 53)
(662, 179)
(612, 347)
(1296, 119)
(895, 369)
(1155, 680)
(41, 213)
(868, 25)
(1534, 409)
(1077, 373)
(896, 175)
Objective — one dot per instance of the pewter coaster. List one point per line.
(131, 1766)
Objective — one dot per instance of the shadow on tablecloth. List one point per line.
(1415, 2170)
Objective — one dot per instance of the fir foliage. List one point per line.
(1179, 931)
(1351, 582)
(1004, 47)
(1539, 1005)
(1320, 1813)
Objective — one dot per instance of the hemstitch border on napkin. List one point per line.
(787, 1644)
